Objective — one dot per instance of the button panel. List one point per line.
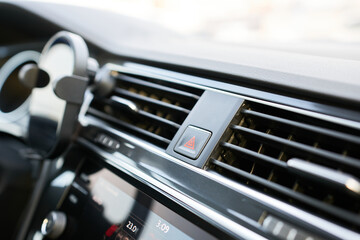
(192, 142)
(107, 141)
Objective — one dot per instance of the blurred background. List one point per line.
(246, 21)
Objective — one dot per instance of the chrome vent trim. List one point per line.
(255, 152)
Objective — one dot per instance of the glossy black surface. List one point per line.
(195, 183)
(103, 206)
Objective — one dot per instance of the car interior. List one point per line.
(113, 127)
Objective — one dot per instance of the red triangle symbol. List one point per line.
(191, 143)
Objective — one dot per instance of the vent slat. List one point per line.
(276, 164)
(259, 150)
(308, 127)
(158, 88)
(349, 217)
(254, 156)
(158, 120)
(320, 155)
(116, 121)
(151, 117)
(149, 108)
(152, 102)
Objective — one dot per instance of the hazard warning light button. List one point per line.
(192, 142)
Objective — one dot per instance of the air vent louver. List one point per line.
(256, 151)
(146, 107)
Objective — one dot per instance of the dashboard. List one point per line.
(106, 137)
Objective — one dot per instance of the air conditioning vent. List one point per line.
(146, 107)
(307, 162)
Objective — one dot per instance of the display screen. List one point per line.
(115, 210)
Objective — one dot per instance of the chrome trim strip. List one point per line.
(343, 180)
(333, 119)
(132, 171)
(306, 217)
(322, 224)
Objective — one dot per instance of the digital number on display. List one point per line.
(132, 227)
(163, 226)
